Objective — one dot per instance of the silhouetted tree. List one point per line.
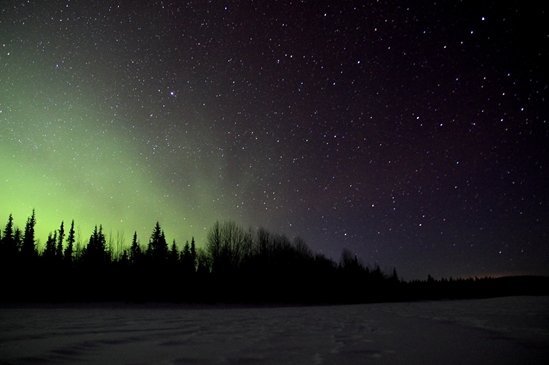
(213, 245)
(95, 254)
(227, 244)
(70, 244)
(135, 251)
(8, 230)
(173, 256)
(49, 251)
(60, 238)
(8, 243)
(28, 248)
(263, 243)
(302, 248)
(350, 263)
(203, 264)
(158, 247)
(17, 242)
(186, 259)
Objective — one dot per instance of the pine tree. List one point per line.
(8, 245)
(70, 244)
(135, 250)
(49, 251)
(8, 231)
(158, 247)
(173, 256)
(186, 259)
(17, 241)
(61, 236)
(28, 248)
(96, 254)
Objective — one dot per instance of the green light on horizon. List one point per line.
(68, 162)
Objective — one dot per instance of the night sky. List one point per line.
(413, 133)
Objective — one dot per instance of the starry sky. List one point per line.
(413, 133)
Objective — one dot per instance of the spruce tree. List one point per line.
(70, 244)
(8, 231)
(173, 256)
(158, 247)
(61, 236)
(49, 251)
(8, 244)
(135, 250)
(186, 259)
(28, 248)
(95, 254)
(17, 241)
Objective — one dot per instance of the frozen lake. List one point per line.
(509, 330)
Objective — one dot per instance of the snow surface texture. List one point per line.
(509, 330)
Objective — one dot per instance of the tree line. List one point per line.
(234, 265)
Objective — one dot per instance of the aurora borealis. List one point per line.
(413, 134)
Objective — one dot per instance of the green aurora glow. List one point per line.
(83, 165)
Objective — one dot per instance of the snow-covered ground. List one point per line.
(513, 330)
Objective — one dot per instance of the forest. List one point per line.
(234, 265)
